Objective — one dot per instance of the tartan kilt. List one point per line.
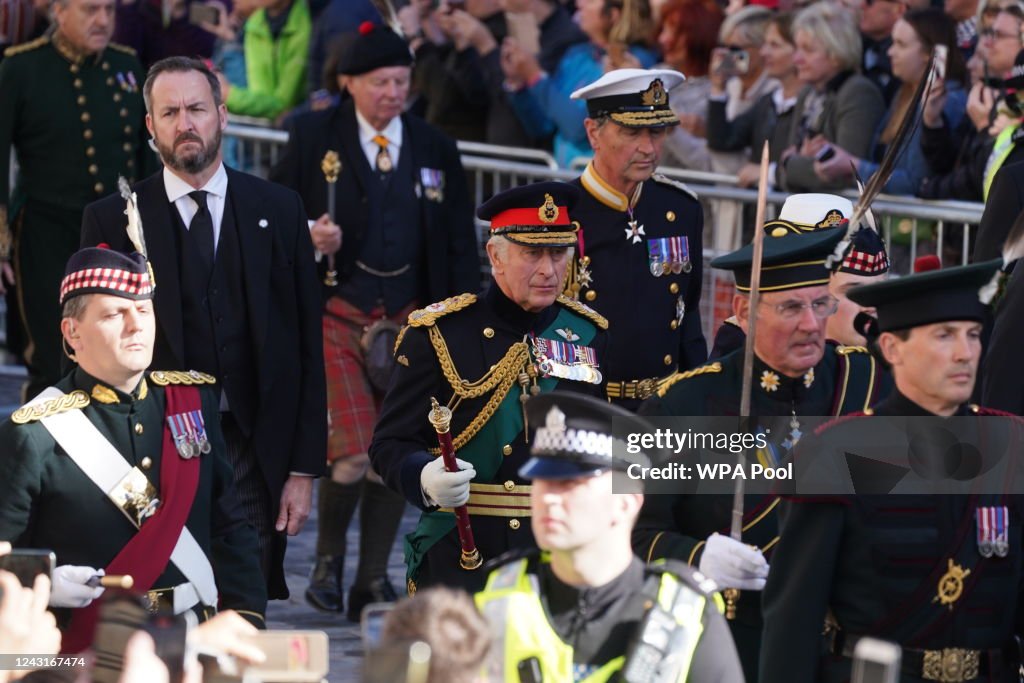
(352, 402)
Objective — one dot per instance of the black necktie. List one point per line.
(201, 229)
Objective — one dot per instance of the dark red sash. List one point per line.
(146, 555)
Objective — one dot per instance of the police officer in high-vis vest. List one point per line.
(123, 471)
(585, 608)
(872, 554)
(484, 357)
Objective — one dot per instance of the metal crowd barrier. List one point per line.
(911, 226)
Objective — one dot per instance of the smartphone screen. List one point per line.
(941, 57)
(27, 563)
(170, 633)
(372, 622)
(199, 13)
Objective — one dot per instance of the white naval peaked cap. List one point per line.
(636, 98)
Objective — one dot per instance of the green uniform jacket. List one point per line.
(47, 502)
(76, 123)
(275, 68)
(846, 379)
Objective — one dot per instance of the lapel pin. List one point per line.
(263, 223)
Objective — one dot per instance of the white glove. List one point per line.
(443, 488)
(69, 586)
(732, 564)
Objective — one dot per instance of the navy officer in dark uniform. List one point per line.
(938, 574)
(401, 236)
(797, 374)
(580, 607)
(484, 357)
(121, 470)
(640, 238)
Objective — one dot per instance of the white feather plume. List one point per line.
(134, 229)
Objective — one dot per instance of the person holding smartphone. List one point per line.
(840, 108)
(916, 37)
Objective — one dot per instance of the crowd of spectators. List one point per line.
(826, 82)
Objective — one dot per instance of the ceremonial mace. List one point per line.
(331, 166)
(732, 595)
(441, 418)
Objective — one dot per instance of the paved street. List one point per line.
(346, 645)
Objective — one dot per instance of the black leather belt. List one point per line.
(948, 665)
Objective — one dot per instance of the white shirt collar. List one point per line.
(392, 131)
(177, 188)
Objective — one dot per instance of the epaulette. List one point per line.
(123, 48)
(687, 374)
(164, 377)
(426, 317)
(76, 400)
(844, 350)
(665, 180)
(584, 310)
(25, 47)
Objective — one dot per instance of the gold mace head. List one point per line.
(440, 416)
(331, 166)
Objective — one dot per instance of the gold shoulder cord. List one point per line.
(498, 379)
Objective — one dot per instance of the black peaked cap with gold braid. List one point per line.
(534, 215)
(790, 261)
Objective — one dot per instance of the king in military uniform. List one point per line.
(796, 373)
(640, 241)
(124, 472)
(72, 109)
(485, 357)
(940, 575)
(586, 608)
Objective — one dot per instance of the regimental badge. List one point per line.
(833, 218)
(432, 180)
(566, 361)
(567, 334)
(655, 95)
(770, 381)
(135, 496)
(951, 584)
(548, 211)
(993, 530)
(669, 255)
(189, 433)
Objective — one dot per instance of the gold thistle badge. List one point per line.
(951, 585)
(548, 212)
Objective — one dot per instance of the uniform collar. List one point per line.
(101, 392)
(896, 404)
(564, 599)
(68, 51)
(780, 387)
(605, 193)
(521, 320)
(177, 188)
